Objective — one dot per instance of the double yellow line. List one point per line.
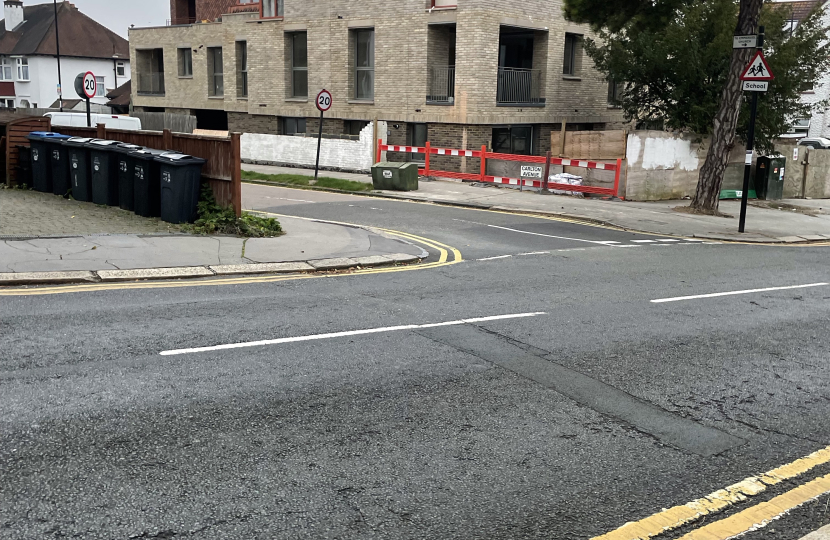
(753, 517)
(447, 255)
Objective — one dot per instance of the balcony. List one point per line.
(151, 84)
(519, 87)
(441, 85)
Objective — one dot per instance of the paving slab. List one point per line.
(374, 260)
(821, 534)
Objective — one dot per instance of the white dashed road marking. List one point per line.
(732, 293)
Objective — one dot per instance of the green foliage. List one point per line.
(300, 180)
(675, 72)
(214, 219)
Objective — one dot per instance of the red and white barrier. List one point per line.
(482, 176)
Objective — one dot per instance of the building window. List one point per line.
(364, 64)
(100, 87)
(5, 69)
(185, 62)
(354, 127)
(216, 74)
(7, 103)
(571, 46)
(417, 136)
(120, 69)
(299, 64)
(24, 104)
(615, 91)
(150, 69)
(293, 126)
(22, 69)
(270, 9)
(513, 140)
(242, 69)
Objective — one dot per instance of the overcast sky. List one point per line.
(118, 15)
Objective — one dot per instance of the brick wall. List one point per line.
(331, 126)
(242, 122)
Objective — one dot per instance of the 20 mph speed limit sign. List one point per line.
(324, 100)
(89, 85)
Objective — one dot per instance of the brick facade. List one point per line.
(401, 67)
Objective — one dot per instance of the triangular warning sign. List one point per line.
(758, 69)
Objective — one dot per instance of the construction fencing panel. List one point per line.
(223, 170)
(428, 151)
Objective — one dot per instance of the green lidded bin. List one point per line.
(395, 176)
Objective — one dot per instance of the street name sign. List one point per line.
(758, 69)
(744, 42)
(755, 86)
(531, 171)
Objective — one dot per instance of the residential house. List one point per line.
(459, 73)
(28, 63)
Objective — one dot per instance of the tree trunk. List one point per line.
(726, 120)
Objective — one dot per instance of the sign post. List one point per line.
(755, 79)
(85, 87)
(323, 104)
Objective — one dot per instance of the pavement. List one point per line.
(40, 243)
(763, 224)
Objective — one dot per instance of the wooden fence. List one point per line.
(589, 144)
(223, 170)
(14, 135)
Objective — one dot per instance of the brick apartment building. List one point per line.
(459, 73)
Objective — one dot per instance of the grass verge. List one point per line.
(300, 180)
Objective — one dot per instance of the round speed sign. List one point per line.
(324, 100)
(89, 85)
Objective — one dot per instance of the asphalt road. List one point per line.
(595, 408)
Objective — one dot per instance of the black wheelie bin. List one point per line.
(126, 174)
(59, 158)
(80, 179)
(41, 167)
(147, 189)
(104, 168)
(181, 176)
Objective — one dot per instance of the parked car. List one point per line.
(815, 142)
(112, 121)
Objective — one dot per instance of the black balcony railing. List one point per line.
(441, 85)
(180, 21)
(151, 84)
(518, 86)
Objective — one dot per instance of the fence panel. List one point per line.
(428, 150)
(590, 144)
(16, 132)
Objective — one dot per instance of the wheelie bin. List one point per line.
(59, 160)
(80, 179)
(181, 176)
(126, 174)
(41, 167)
(104, 170)
(147, 189)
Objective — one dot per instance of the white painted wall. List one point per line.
(820, 121)
(43, 74)
(302, 151)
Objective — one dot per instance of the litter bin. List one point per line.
(181, 176)
(59, 160)
(103, 164)
(41, 167)
(769, 177)
(80, 179)
(395, 176)
(146, 186)
(126, 174)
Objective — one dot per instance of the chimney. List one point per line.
(14, 13)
